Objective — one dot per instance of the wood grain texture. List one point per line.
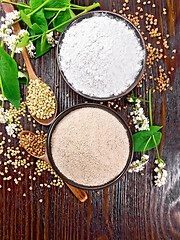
(133, 208)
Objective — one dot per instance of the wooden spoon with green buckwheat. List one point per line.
(42, 105)
(27, 141)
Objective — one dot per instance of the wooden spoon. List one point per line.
(79, 193)
(7, 7)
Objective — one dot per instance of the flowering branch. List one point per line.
(40, 32)
(151, 135)
(12, 40)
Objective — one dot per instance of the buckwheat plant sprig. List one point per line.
(161, 173)
(12, 40)
(7, 118)
(138, 165)
(141, 123)
(44, 34)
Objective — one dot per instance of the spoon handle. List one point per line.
(79, 193)
(16, 29)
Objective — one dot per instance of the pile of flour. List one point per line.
(101, 56)
(90, 146)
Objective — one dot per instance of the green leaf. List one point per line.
(36, 28)
(35, 4)
(57, 3)
(154, 129)
(24, 42)
(42, 14)
(9, 78)
(23, 78)
(62, 17)
(141, 138)
(49, 14)
(60, 10)
(39, 19)
(26, 19)
(42, 46)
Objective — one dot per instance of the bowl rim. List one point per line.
(138, 77)
(111, 111)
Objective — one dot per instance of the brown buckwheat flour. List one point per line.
(90, 146)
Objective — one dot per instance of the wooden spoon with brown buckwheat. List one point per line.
(28, 140)
(44, 111)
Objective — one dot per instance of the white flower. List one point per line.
(22, 32)
(137, 166)
(12, 16)
(4, 32)
(1, 98)
(160, 178)
(3, 27)
(158, 175)
(138, 105)
(11, 128)
(7, 116)
(50, 39)
(138, 118)
(145, 157)
(2, 19)
(136, 112)
(31, 49)
(161, 165)
(2, 119)
(164, 173)
(13, 40)
(134, 120)
(140, 121)
(158, 183)
(140, 110)
(130, 99)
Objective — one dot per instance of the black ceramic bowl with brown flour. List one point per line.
(90, 146)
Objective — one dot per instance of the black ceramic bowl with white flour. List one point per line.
(101, 55)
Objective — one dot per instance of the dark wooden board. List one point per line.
(131, 209)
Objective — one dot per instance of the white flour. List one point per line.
(101, 56)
